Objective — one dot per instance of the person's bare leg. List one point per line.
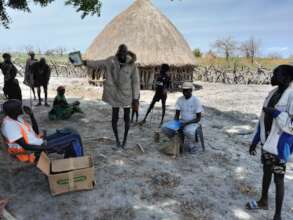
(46, 95)
(132, 116)
(115, 118)
(266, 182)
(148, 111)
(136, 113)
(39, 96)
(127, 125)
(34, 92)
(163, 110)
(181, 136)
(280, 190)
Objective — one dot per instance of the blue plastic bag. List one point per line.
(170, 128)
(285, 147)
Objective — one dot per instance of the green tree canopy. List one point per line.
(86, 7)
(197, 52)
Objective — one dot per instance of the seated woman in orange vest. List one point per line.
(21, 136)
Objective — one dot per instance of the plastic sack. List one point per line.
(171, 128)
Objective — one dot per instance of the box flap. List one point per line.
(69, 164)
(44, 163)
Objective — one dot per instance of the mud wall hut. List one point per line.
(154, 39)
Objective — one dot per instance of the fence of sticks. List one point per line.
(233, 75)
(208, 73)
(60, 70)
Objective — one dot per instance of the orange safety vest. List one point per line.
(18, 151)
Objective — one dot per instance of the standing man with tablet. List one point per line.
(121, 87)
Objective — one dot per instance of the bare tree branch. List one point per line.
(227, 46)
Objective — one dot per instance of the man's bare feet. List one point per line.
(117, 146)
(277, 217)
(142, 122)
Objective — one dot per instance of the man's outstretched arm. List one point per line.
(95, 64)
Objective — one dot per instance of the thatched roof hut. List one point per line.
(154, 39)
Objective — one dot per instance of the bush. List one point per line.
(197, 52)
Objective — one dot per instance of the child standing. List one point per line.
(162, 86)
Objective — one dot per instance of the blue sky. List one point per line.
(200, 22)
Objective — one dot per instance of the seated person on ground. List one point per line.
(22, 137)
(188, 111)
(62, 110)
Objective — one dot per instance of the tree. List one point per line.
(197, 52)
(250, 48)
(28, 48)
(227, 46)
(275, 56)
(244, 48)
(86, 7)
(61, 51)
(49, 52)
(210, 54)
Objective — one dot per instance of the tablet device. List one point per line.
(75, 58)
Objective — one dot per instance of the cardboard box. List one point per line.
(68, 175)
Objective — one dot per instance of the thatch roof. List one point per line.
(146, 32)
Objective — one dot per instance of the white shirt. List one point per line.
(11, 130)
(188, 107)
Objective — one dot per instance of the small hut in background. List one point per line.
(152, 37)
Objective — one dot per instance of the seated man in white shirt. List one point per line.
(188, 111)
(22, 137)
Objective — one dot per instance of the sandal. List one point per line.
(254, 205)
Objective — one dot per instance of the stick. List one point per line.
(7, 215)
(140, 147)
(31, 102)
(30, 86)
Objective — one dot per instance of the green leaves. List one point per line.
(18, 4)
(4, 19)
(43, 3)
(86, 7)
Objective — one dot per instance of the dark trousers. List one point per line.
(12, 90)
(65, 142)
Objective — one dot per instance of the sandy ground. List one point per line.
(211, 185)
